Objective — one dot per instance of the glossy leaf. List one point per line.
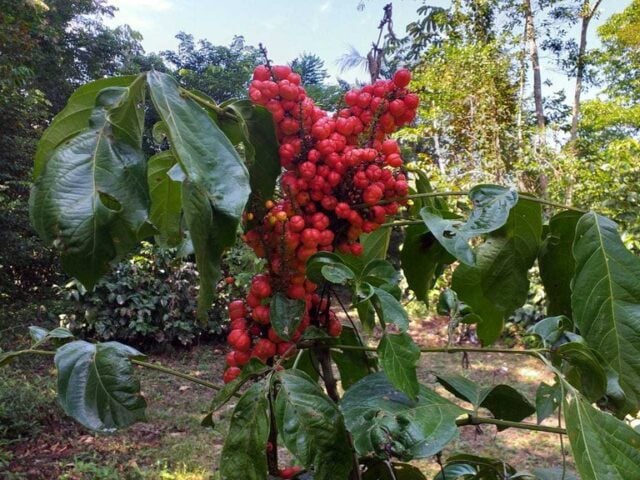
(317, 262)
(166, 198)
(96, 385)
(312, 427)
(337, 273)
(216, 187)
(557, 263)
(583, 370)
(603, 446)
(399, 355)
(606, 298)
(244, 451)
(375, 245)
(389, 309)
(39, 335)
(74, 117)
(286, 314)
(491, 206)
(455, 471)
(90, 199)
(382, 419)
(498, 283)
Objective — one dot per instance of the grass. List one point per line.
(172, 445)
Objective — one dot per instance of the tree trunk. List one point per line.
(587, 14)
(530, 29)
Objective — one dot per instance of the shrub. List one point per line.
(152, 299)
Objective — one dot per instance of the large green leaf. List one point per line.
(74, 117)
(556, 262)
(286, 314)
(399, 356)
(548, 398)
(606, 299)
(312, 427)
(244, 451)
(498, 283)
(375, 245)
(389, 309)
(583, 370)
(603, 446)
(216, 187)
(503, 401)
(90, 199)
(384, 421)
(392, 471)
(258, 135)
(96, 385)
(166, 198)
(491, 206)
(422, 259)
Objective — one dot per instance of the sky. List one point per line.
(327, 28)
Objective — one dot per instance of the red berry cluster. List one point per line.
(338, 168)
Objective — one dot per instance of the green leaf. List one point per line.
(259, 136)
(337, 273)
(319, 260)
(503, 401)
(166, 198)
(244, 452)
(551, 329)
(285, 314)
(254, 369)
(557, 263)
(40, 335)
(484, 467)
(366, 314)
(352, 364)
(498, 283)
(216, 187)
(506, 403)
(90, 198)
(382, 419)
(603, 446)
(74, 117)
(455, 471)
(606, 298)
(389, 309)
(399, 356)
(422, 259)
(583, 371)
(380, 271)
(548, 398)
(491, 206)
(312, 427)
(375, 245)
(96, 385)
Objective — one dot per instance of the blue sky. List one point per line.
(326, 27)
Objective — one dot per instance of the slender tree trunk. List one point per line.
(530, 29)
(522, 80)
(587, 14)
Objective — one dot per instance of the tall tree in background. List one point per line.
(587, 12)
(311, 69)
(220, 71)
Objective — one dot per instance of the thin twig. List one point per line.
(474, 420)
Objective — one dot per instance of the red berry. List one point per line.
(230, 374)
(402, 78)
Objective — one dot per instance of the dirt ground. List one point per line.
(173, 445)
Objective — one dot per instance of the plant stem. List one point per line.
(534, 352)
(205, 103)
(473, 420)
(272, 453)
(464, 193)
(176, 373)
